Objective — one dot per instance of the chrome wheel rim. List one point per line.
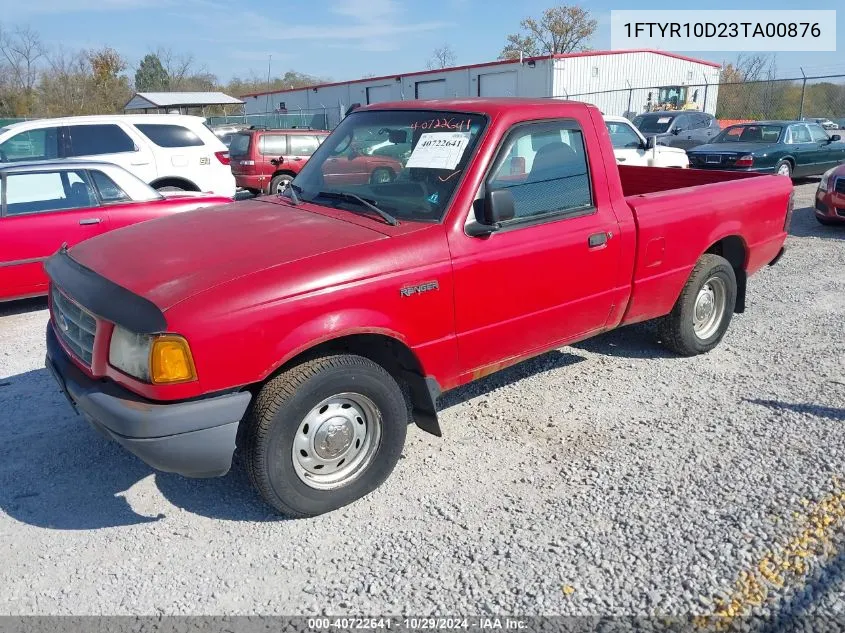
(336, 441)
(283, 185)
(783, 170)
(381, 176)
(709, 307)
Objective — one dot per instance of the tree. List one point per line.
(20, 53)
(441, 57)
(151, 75)
(749, 68)
(562, 29)
(110, 89)
(294, 79)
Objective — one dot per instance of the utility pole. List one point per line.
(803, 91)
(267, 101)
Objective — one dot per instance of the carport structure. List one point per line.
(179, 102)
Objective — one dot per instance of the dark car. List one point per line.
(788, 148)
(682, 129)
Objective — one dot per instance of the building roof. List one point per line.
(485, 64)
(143, 100)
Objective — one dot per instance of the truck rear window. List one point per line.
(239, 145)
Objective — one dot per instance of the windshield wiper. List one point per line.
(369, 204)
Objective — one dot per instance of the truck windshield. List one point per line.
(405, 162)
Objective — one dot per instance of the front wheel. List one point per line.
(703, 312)
(381, 175)
(325, 433)
(784, 168)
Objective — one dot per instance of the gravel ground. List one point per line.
(607, 478)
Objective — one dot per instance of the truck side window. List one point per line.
(544, 165)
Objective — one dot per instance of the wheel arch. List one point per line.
(734, 249)
(386, 348)
(174, 181)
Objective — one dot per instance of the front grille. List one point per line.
(75, 326)
(839, 185)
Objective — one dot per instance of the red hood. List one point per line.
(195, 195)
(175, 257)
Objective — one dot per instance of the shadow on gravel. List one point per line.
(634, 341)
(804, 224)
(58, 473)
(832, 413)
(531, 367)
(802, 610)
(23, 306)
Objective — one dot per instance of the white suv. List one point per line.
(169, 151)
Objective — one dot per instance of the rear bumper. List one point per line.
(251, 181)
(194, 438)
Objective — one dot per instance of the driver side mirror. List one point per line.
(650, 142)
(496, 207)
(835, 137)
(677, 131)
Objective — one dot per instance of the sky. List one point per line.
(340, 39)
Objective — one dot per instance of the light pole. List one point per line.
(267, 102)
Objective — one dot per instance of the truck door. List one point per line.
(549, 274)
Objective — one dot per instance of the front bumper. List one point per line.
(830, 206)
(194, 438)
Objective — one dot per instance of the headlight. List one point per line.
(157, 359)
(827, 176)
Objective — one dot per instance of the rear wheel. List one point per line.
(703, 312)
(325, 433)
(280, 183)
(170, 188)
(784, 168)
(826, 221)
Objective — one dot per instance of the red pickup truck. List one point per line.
(308, 329)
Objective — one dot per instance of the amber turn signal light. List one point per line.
(171, 360)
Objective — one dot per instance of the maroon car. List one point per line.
(47, 204)
(830, 197)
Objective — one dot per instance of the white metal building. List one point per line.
(618, 82)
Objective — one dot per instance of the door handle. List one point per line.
(140, 163)
(621, 159)
(296, 159)
(598, 239)
(87, 221)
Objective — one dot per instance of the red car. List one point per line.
(265, 161)
(47, 204)
(830, 197)
(310, 328)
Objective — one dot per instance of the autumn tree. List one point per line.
(441, 57)
(561, 29)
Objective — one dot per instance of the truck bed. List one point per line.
(680, 213)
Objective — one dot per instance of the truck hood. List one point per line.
(665, 149)
(175, 257)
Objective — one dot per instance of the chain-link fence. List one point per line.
(785, 99)
(318, 119)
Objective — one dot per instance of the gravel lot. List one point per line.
(605, 478)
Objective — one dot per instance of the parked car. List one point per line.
(825, 123)
(787, 148)
(47, 204)
(265, 161)
(227, 131)
(682, 129)
(335, 303)
(830, 197)
(171, 152)
(632, 148)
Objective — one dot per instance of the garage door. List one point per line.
(375, 94)
(435, 89)
(497, 84)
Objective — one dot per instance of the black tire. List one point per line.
(381, 175)
(281, 407)
(781, 164)
(254, 192)
(826, 221)
(677, 329)
(277, 179)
